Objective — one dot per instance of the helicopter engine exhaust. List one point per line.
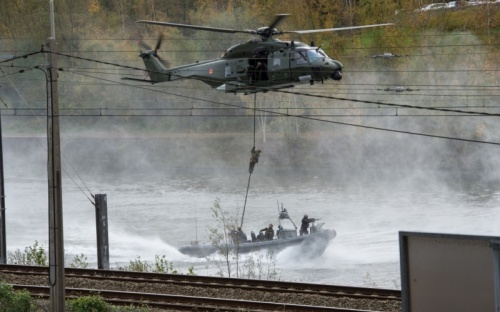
(336, 75)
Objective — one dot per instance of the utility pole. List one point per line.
(101, 218)
(3, 238)
(3, 228)
(56, 237)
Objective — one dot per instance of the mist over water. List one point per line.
(152, 214)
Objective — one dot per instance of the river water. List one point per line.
(153, 214)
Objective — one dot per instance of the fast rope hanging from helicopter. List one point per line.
(254, 158)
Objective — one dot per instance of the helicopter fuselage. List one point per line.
(253, 66)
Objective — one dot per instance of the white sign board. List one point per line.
(445, 272)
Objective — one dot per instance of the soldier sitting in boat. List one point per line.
(238, 236)
(266, 233)
(305, 225)
(242, 236)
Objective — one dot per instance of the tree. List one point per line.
(232, 265)
(220, 236)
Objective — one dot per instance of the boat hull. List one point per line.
(311, 245)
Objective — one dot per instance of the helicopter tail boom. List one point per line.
(156, 68)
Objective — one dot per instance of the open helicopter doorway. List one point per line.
(258, 65)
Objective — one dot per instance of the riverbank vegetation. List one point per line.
(21, 301)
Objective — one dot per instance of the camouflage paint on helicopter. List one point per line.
(258, 65)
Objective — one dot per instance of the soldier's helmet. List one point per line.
(305, 216)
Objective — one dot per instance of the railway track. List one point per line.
(227, 285)
(177, 302)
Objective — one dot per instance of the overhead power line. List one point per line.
(311, 118)
(330, 97)
(310, 95)
(219, 112)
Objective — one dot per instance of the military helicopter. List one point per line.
(258, 65)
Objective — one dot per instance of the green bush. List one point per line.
(138, 266)
(21, 301)
(79, 261)
(33, 255)
(14, 301)
(163, 266)
(36, 255)
(98, 304)
(87, 304)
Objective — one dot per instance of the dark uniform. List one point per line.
(242, 236)
(305, 225)
(268, 232)
(253, 159)
(238, 236)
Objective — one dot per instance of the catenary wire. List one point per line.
(297, 116)
(310, 118)
(68, 162)
(313, 95)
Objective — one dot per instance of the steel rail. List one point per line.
(213, 282)
(178, 302)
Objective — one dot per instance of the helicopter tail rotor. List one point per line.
(158, 42)
(149, 51)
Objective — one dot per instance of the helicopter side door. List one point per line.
(259, 65)
(279, 66)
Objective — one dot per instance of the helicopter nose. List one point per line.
(336, 75)
(337, 70)
(336, 63)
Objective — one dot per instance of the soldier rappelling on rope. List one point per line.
(253, 159)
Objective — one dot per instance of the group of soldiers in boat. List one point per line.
(267, 233)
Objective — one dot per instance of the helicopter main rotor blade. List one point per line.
(332, 29)
(144, 45)
(214, 29)
(158, 42)
(279, 18)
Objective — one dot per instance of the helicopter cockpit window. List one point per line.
(301, 57)
(315, 55)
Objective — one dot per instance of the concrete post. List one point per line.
(56, 236)
(101, 215)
